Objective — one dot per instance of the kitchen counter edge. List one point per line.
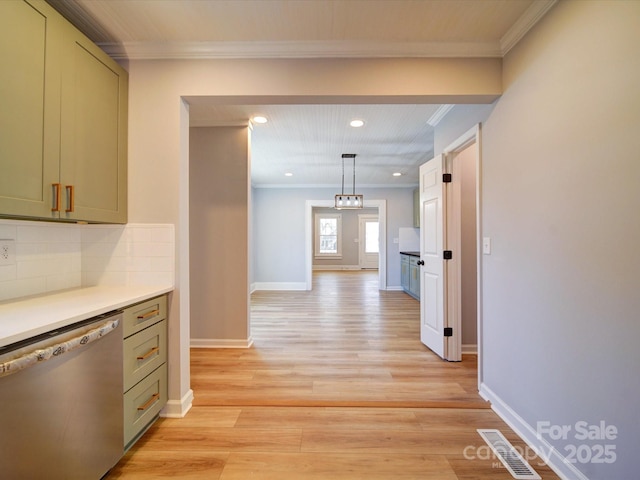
(26, 317)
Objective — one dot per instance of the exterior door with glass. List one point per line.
(368, 241)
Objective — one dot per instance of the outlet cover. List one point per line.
(7, 252)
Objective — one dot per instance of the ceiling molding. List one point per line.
(439, 114)
(331, 186)
(323, 49)
(528, 19)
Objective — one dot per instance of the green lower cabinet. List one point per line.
(410, 275)
(145, 366)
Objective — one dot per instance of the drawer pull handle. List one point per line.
(149, 314)
(148, 354)
(149, 402)
(56, 203)
(71, 198)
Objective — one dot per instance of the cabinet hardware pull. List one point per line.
(71, 203)
(148, 314)
(148, 354)
(149, 402)
(56, 203)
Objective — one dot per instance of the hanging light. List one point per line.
(350, 200)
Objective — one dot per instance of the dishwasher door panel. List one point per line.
(63, 418)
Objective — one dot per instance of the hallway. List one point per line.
(337, 385)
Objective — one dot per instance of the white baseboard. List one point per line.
(470, 348)
(528, 434)
(178, 408)
(396, 288)
(336, 267)
(221, 343)
(279, 286)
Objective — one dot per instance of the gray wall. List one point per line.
(561, 193)
(279, 229)
(219, 240)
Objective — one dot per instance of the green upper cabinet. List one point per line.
(30, 70)
(63, 125)
(93, 133)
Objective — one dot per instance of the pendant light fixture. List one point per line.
(349, 200)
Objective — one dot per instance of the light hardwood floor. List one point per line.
(336, 386)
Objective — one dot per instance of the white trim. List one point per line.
(221, 343)
(308, 186)
(528, 434)
(469, 348)
(382, 219)
(473, 137)
(178, 408)
(210, 50)
(336, 267)
(439, 114)
(395, 288)
(527, 20)
(279, 286)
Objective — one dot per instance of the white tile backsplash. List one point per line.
(51, 256)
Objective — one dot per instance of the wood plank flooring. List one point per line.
(336, 386)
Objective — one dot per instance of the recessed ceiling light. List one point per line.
(288, 174)
(259, 119)
(356, 123)
(396, 174)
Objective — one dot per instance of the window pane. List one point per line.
(328, 244)
(328, 226)
(371, 232)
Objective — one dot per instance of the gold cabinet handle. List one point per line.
(70, 194)
(149, 402)
(56, 203)
(148, 314)
(149, 353)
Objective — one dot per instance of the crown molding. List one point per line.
(527, 20)
(439, 114)
(91, 27)
(327, 49)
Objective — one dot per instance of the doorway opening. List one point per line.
(450, 214)
(368, 241)
(381, 206)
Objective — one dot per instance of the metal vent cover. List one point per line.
(508, 455)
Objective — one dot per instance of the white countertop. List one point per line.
(27, 317)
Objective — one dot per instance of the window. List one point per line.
(328, 241)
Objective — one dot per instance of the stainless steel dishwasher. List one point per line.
(61, 411)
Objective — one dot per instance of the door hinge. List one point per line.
(448, 332)
(446, 178)
(447, 254)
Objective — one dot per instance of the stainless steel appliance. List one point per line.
(61, 412)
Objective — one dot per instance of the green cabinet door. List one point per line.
(30, 38)
(93, 133)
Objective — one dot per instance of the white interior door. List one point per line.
(369, 241)
(432, 270)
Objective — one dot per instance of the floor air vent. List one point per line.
(509, 456)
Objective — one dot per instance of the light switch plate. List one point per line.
(7, 252)
(486, 245)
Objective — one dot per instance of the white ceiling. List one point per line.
(308, 140)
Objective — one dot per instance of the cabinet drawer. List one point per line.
(144, 352)
(143, 402)
(142, 315)
(413, 260)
